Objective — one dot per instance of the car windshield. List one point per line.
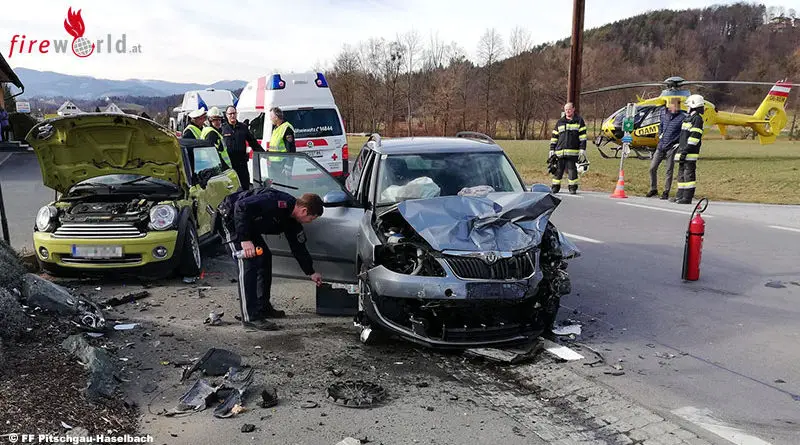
(114, 182)
(415, 176)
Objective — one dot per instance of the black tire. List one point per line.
(191, 261)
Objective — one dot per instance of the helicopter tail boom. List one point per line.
(770, 117)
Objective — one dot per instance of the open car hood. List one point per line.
(74, 148)
(500, 222)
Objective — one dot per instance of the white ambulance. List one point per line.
(307, 104)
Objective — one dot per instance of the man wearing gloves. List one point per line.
(568, 144)
(689, 149)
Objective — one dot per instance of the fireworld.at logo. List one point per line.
(81, 46)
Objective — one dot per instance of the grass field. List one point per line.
(730, 170)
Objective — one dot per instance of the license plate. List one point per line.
(496, 291)
(96, 251)
(314, 153)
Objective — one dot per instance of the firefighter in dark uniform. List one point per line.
(246, 216)
(234, 136)
(195, 127)
(568, 144)
(689, 149)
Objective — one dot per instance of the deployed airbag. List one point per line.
(504, 222)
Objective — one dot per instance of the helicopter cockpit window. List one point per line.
(654, 116)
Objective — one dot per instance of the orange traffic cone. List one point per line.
(619, 191)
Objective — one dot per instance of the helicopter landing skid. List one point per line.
(638, 152)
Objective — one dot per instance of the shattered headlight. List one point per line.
(162, 217)
(45, 217)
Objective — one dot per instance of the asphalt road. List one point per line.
(724, 347)
(733, 339)
(23, 194)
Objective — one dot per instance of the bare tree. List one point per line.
(435, 56)
(413, 46)
(490, 49)
(519, 81)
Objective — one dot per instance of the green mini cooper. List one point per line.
(130, 195)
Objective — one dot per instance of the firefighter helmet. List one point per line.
(695, 101)
(583, 166)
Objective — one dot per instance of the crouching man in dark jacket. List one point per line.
(245, 217)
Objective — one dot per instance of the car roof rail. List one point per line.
(475, 135)
(374, 137)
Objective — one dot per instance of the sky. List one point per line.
(205, 41)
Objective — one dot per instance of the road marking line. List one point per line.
(661, 208)
(582, 238)
(570, 195)
(791, 229)
(703, 419)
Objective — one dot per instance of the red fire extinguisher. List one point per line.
(693, 248)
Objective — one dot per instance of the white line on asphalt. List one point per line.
(791, 229)
(582, 238)
(661, 208)
(560, 351)
(567, 194)
(703, 419)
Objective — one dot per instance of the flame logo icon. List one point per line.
(81, 46)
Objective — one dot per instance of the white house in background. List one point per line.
(113, 108)
(68, 108)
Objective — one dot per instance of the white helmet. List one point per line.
(583, 166)
(214, 112)
(197, 113)
(695, 101)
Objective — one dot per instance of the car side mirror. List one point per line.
(335, 198)
(541, 188)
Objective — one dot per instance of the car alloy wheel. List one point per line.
(195, 246)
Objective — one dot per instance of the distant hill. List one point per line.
(46, 84)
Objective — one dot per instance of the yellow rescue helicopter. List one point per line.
(768, 120)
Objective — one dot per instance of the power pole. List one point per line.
(576, 51)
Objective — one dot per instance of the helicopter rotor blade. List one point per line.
(624, 86)
(737, 82)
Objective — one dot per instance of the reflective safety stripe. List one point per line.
(582, 129)
(556, 181)
(693, 141)
(686, 125)
(568, 152)
(696, 130)
(554, 140)
(574, 181)
(687, 185)
(573, 126)
(582, 137)
(195, 131)
(561, 128)
(689, 156)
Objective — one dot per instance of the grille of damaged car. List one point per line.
(518, 267)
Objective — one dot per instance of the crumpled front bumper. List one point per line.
(454, 294)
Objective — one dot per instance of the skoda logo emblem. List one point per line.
(490, 258)
(310, 144)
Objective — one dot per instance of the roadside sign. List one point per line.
(627, 139)
(23, 107)
(627, 122)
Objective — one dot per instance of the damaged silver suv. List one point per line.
(447, 245)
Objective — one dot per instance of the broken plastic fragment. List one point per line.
(196, 398)
(215, 362)
(573, 329)
(214, 319)
(125, 327)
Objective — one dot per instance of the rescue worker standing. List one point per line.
(246, 216)
(234, 136)
(669, 133)
(689, 149)
(568, 144)
(195, 128)
(282, 141)
(212, 135)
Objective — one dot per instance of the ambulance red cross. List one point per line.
(307, 104)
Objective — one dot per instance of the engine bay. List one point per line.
(132, 211)
(402, 250)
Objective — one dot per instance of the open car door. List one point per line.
(331, 238)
